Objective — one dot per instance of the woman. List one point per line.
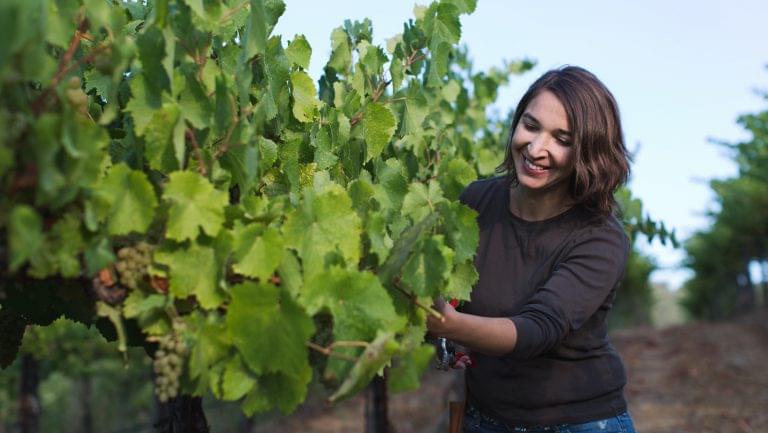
(550, 257)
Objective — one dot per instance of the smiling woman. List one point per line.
(550, 257)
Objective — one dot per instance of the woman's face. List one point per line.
(542, 145)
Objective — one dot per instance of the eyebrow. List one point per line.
(536, 121)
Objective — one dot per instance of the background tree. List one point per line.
(721, 256)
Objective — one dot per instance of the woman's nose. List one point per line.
(537, 146)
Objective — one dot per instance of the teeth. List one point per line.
(532, 166)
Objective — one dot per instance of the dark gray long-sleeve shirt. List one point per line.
(556, 279)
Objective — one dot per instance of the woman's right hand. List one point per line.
(463, 361)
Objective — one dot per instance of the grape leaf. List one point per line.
(258, 253)
(341, 53)
(357, 301)
(422, 199)
(373, 359)
(195, 204)
(25, 235)
(236, 381)
(193, 271)
(313, 229)
(278, 389)
(256, 31)
(426, 270)
(126, 200)
(299, 51)
(404, 246)
(462, 232)
(305, 102)
(269, 329)
(212, 342)
(378, 127)
(461, 281)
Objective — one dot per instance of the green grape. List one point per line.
(133, 264)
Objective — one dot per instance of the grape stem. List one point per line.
(328, 351)
(198, 155)
(431, 311)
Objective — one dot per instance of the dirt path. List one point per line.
(703, 377)
(696, 378)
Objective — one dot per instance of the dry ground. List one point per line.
(695, 378)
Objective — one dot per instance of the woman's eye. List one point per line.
(529, 126)
(564, 141)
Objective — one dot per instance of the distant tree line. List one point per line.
(721, 255)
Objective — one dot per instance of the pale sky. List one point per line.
(681, 72)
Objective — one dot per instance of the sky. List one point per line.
(682, 72)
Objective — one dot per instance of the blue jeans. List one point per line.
(476, 422)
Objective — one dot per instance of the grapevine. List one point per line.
(176, 158)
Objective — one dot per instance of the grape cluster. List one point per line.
(168, 364)
(133, 263)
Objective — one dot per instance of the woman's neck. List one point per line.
(538, 205)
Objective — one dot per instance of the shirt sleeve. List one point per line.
(579, 284)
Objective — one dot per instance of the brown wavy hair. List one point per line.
(601, 158)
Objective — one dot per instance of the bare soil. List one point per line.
(696, 378)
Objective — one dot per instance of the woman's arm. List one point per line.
(493, 336)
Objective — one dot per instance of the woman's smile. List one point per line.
(542, 146)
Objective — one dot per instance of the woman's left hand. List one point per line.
(442, 328)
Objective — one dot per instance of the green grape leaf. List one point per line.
(313, 229)
(414, 110)
(426, 270)
(454, 175)
(242, 161)
(461, 281)
(125, 200)
(195, 204)
(25, 235)
(324, 155)
(98, 254)
(487, 160)
(378, 127)
(236, 381)
(197, 7)
(194, 271)
(464, 6)
(392, 186)
(305, 102)
(442, 25)
(341, 52)
(258, 253)
(380, 241)
(269, 329)
(359, 304)
(149, 311)
(290, 273)
(405, 375)
(66, 245)
(422, 199)
(299, 51)
(404, 246)
(212, 342)
(371, 361)
(278, 389)
(462, 232)
(360, 307)
(267, 152)
(256, 32)
(158, 137)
